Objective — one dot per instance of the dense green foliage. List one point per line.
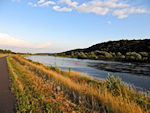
(124, 50)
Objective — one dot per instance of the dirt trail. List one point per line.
(7, 100)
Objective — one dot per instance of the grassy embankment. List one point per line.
(48, 89)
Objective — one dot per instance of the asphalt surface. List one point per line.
(7, 100)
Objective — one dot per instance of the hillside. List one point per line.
(129, 50)
(122, 46)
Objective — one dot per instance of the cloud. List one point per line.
(123, 13)
(41, 1)
(45, 45)
(69, 2)
(108, 4)
(64, 9)
(6, 40)
(17, 45)
(88, 8)
(119, 8)
(32, 4)
(100, 7)
(115, 7)
(47, 3)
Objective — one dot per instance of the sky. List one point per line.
(48, 26)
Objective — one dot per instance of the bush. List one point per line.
(122, 57)
(143, 54)
(92, 55)
(82, 55)
(115, 85)
(113, 54)
(119, 54)
(103, 54)
(133, 56)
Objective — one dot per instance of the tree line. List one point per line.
(122, 50)
(5, 51)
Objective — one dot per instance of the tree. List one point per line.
(92, 55)
(103, 54)
(144, 55)
(133, 56)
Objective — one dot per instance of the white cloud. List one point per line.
(32, 4)
(47, 3)
(6, 40)
(119, 8)
(17, 45)
(69, 2)
(123, 13)
(100, 7)
(116, 7)
(64, 9)
(41, 1)
(108, 4)
(88, 8)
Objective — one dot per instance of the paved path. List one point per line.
(7, 100)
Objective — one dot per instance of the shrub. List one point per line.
(119, 54)
(103, 54)
(143, 54)
(82, 55)
(133, 56)
(115, 85)
(113, 54)
(92, 55)
(122, 57)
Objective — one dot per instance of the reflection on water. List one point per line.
(132, 73)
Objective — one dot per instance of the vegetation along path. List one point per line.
(7, 100)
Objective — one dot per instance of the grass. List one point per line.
(49, 89)
(34, 95)
(3, 55)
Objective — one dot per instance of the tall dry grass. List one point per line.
(88, 97)
(34, 95)
(113, 85)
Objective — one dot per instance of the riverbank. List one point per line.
(46, 86)
(132, 57)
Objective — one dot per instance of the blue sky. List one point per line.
(60, 25)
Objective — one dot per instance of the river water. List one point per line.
(136, 74)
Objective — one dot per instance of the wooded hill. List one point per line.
(129, 50)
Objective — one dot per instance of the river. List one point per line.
(136, 74)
